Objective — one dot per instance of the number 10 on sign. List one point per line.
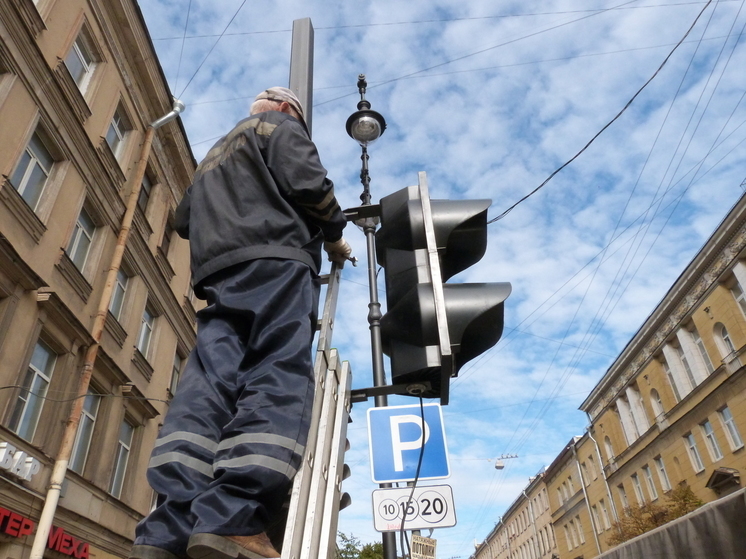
(428, 507)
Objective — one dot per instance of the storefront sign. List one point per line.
(18, 526)
(18, 462)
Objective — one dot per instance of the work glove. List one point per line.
(338, 251)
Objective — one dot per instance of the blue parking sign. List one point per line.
(396, 436)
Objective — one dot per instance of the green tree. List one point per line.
(349, 547)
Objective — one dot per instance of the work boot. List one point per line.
(213, 546)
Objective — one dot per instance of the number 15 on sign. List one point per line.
(428, 507)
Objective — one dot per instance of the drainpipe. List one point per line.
(603, 474)
(533, 524)
(71, 428)
(594, 528)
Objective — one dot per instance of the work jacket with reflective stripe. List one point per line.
(260, 192)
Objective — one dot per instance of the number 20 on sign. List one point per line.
(428, 507)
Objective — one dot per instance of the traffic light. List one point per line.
(432, 328)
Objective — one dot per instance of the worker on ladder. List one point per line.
(257, 213)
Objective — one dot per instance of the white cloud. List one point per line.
(495, 125)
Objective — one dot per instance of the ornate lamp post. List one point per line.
(365, 126)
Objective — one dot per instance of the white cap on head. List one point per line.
(278, 93)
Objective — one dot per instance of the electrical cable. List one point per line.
(480, 51)
(211, 49)
(574, 157)
(183, 40)
(442, 20)
(405, 508)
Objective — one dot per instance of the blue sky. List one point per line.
(489, 98)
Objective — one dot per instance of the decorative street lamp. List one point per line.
(365, 126)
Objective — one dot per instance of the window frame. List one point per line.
(648, 474)
(660, 467)
(120, 124)
(731, 429)
(146, 326)
(695, 457)
(21, 184)
(711, 442)
(121, 459)
(637, 487)
(119, 287)
(79, 233)
(86, 415)
(33, 405)
(83, 47)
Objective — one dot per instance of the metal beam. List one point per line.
(301, 66)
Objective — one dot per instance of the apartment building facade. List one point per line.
(670, 410)
(525, 530)
(79, 85)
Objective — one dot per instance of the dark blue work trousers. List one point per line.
(235, 432)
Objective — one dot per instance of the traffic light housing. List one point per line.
(431, 328)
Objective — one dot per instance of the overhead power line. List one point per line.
(593, 139)
(438, 20)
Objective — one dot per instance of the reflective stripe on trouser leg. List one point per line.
(234, 435)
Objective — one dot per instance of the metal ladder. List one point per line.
(311, 528)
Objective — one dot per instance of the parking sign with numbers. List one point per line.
(428, 506)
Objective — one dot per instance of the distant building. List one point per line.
(670, 410)
(525, 530)
(79, 84)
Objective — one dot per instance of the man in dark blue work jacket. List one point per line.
(257, 214)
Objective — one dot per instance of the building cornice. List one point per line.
(721, 251)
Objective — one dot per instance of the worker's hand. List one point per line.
(338, 251)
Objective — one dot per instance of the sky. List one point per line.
(489, 99)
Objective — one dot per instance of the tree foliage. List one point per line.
(638, 519)
(349, 547)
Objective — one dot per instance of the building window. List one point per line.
(124, 447)
(597, 519)
(34, 387)
(672, 381)
(81, 240)
(33, 170)
(731, 431)
(166, 241)
(662, 475)
(702, 351)
(144, 197)
(81, 61)
(559, 497)
(609, 448)
(85, 432)
(574, 533)
(623, 496)
(727, 348)
(146, 331)
(581, 535)
(638, 489)
(118, 128)
(117, 296)
(694, 455)
(176, 373)
(651, 484)
(605, 513)
(657, 404)
(739, 296)
(567, 537)
(592, 467)
(687, 367)
(712, 443)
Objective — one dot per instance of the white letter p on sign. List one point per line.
(398, 445)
